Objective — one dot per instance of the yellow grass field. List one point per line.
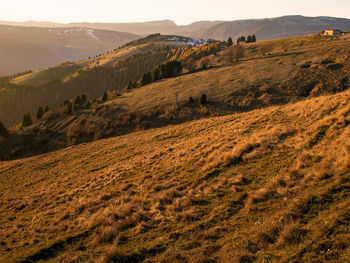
(269, 185)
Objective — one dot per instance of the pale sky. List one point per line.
(180, 11)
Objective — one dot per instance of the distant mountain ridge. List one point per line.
(266, 28)
(273, 28)
(32, 45)
(31, 48)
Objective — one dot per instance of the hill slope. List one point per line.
(93, 76)
(295, 69)
(270, 184)
(32, 48)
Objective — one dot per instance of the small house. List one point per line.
(332, 32)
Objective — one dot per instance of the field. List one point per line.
(268, 185)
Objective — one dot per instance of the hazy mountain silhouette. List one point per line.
(30, 48)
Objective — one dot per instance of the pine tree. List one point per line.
(69, 108)
(83, 99)
(105, 96)
(229, 41)
(27, 120)
(146, 79)
(40, 113)
(254, 38)
(249, 39)
(46, 108)
(203, 99)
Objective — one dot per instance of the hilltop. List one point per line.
(267, 185)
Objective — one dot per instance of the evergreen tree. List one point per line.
(146, 79)
(83, 99)
(40, 113)
(229, 41)
(249, 39)
(203, 99)
(241, 39)
(27, 120)
(77, 100)
(156, 74)
(3, 130)
(69, 108)
(254, 38)
(46, 108)
(105, 96)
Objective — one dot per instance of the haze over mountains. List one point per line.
(31, 48)
(268, 28)
(32, 45)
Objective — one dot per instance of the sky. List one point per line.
(182, 12)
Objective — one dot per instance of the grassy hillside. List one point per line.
(272, 73)
(269, 185)
(109, 71)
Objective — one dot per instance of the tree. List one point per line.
(190, 100)
(40, 113)
(203, 99)
(253, 38)
(69, 107)
(233, 53)
(155, 74)
(46, 108)
(132, 85)
(229, 41)
(83, 99)
(27, 120)
(238, 52)
(77, 100)
(105, 96)
(3, 130)
(146, 79)
(241, 39)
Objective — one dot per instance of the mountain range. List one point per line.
(267, 28)
(32, 48)
(32, 45)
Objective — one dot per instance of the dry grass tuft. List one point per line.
(291, 233)
(107, 234)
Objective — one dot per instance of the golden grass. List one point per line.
(148, 195)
